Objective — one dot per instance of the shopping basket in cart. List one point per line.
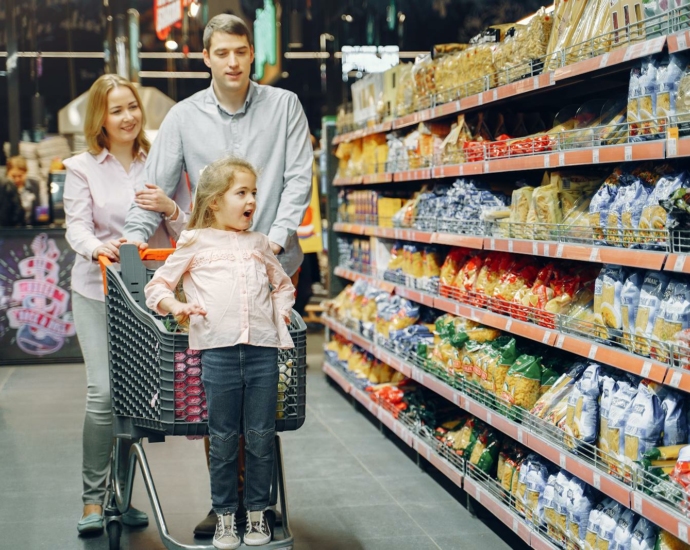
(156, 390)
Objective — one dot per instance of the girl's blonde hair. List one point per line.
(97, 111)
(17, 162)
(216, 179)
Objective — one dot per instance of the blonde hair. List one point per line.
(18, 163)
(216, 179)
(97, 111)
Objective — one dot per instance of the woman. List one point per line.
(99, 189)
(28, 188)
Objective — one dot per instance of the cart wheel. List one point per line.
(114, 532)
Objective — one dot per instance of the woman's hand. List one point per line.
(182, 311)
(153, 198)
(111, 250)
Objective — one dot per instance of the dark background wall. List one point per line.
(78, 25)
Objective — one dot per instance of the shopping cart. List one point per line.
(156, 392)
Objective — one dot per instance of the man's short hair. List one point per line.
(227, 23)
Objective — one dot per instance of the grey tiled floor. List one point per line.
(350, 486)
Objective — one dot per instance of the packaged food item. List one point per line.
(485, 451)
(535, 481)
(547, 210)
(619, 412)
(608, 519)
(644, 535)
(654, 217)
(599, 208)
(652, 292)
(499, 362)
(451, 267)
(629, 221)
(582, 414)
(608, 388)
(559, 389)
(523, 381)
(648, 96)
(666, 541)
(622, 536)
(613, 280)
(580, 504)
(560, 503)
(547, 504)
(668, 80)
(673, 317)
(630, 299)
(645, 424)
(467, 277)
(675, 419)
(495, 265)
(593, 522)
(519, 209)
(519, 277)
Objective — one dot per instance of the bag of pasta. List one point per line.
(645, 534)
(485, 452)
(622, 536)
(643, 430)
(511, 469)
(675, 418)
(559, 389)
(467, 277)
(607, 524)
(523, 382)
(535, 483)
(495, 265)
(608, 389)
(599, 209)
(651, 295)
(666, 541)
(619, 412)
(613, 280)
(520, 276)
(654, 216)
(673, 317)
(583, 409)
(590, 541)
(630, 299)
(580, 504)
(560, 502)
(451, 267)
(499, 362)
(546, 503)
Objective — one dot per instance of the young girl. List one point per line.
(239, 324)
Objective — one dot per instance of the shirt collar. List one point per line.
(251, 95)
(104, 154)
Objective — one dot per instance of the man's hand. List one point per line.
(153, 198)
(110, 250)
(277, 249)
(182, 311)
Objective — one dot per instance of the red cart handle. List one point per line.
(156, 254)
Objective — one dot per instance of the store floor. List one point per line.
(350, 486)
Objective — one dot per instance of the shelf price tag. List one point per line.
(594, 255)
(628, 153)
(480, 99)
(510, 245)
(547, 250)
(492, 244)
(456, 399)
(628, 54)
(559, 250)
(486, 166)
(535, 249)
(604, 60)
(646, 369)
(676, 378)
(562, 460)
(509, 325)
(560, 341)
(596, 481)
(671, 147)
(637, 502)
(561, 159)
(682, 45)
(682, 531)
(546, 338)
(547, 161)
(593, 351)
(679, 264)
(495, 95)
(521, 436)
(595, 156)
(489, 418)
(516, 524)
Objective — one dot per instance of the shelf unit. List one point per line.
(653, 510)
(616, 61)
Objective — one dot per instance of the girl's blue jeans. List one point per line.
(241, 384)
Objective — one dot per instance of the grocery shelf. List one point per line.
(663, 516)
(363, 132)
(413, 118)
(383, 177)
(612, 58)
(450, 239)
(355, 276)
(355, 180)
(398, 428)
(419, 174)
(415, 295)
(677, 263)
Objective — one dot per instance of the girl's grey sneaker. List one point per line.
(257, 533)
(226, 537)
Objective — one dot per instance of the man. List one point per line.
(238, 117)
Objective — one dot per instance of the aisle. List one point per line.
(349, 486)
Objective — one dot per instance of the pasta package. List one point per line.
(608, 520)
(498, 365)
(559, 389)
(608, 389)
(630, 299)
(451, 267)
(580, 504)
(583, 408)
(561, 506)
(614, 278)
(547, 504)
(622, 536)
(644, 427)
(495, 265)
(523, 382)
(673, 317)
(535, 481)
(519, 209)
(590, 540)
(644, 535)
(654, 216)
(651, 294)
(619, 412)
(666, 541)
(599, 209)
(675, 419)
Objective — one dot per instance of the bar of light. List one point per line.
(173, 74)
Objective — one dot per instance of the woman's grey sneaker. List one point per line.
(226, 537)
(257, 533)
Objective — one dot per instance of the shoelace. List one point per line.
(227, 529)
(260, 526)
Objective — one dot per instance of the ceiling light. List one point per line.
(170, 44)
(347, 18)
(401, 17)
(194, 8)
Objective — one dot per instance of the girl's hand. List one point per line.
(182, 311)
(110, 250)
(154, 198)
(286, 318)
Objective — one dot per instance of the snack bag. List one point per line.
(523, 381)
(644, 427)
(652, 292)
